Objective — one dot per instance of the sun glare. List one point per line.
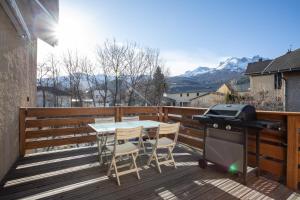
(72, 31)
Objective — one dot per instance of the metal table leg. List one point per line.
(101, 145)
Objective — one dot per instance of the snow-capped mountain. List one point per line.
(210, 78)
(197, 71)
(237, 64)
(233, 64)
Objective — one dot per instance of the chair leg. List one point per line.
(171, 155)
(151, 157)
(116, 172)
(110, 166)
(157, 163)
(133, 160)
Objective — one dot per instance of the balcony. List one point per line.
(74, 172)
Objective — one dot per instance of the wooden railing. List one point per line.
(48, 127)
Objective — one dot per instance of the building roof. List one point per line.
(33, 18)
(167, 99)
(287, 62)
(229, 86)
(188, 91)
(209, 93)
(257, 67)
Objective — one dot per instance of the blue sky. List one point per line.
(189, 33)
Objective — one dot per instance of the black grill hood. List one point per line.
(241, 112)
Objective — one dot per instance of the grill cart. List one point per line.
(226, 129)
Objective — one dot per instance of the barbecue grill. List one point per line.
(226, 128)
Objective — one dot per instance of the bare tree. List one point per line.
(88, 70)
(42, 79)
(112, 60)
(263, 100)
(72, 63)
(136, 62)
(128, 71)
(54, 75)
(104, 65)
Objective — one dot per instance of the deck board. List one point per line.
(76, 174)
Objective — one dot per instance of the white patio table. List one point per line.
(105, 129)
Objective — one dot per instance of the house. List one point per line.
(226, 88)
(277, 80)
(183, 98)
(21, 23)
(211, 98)
(168, 101)
(202, 99)
(208, 99)
(52, 97)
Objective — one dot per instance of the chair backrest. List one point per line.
(128, 133)
(168, 129)
(105, 120)
(131, 118)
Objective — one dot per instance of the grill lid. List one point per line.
(242, 112)
(236, 114)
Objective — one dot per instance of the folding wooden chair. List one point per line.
(102, 140)
(144, 133)
(164, 143)
(127, 148)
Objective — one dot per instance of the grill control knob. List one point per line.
(215, 125)
(228, 127)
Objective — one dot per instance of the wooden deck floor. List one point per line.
(75, 174)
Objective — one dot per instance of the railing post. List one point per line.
(22, 117)
(292, 152)
(160, 114)
(117, 113)
(121, 113)
(165, 114)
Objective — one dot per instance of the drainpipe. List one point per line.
(284, 92)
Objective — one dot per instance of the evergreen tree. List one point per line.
(159, 86)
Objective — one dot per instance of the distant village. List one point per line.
(272, 86)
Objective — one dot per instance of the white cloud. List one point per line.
(179, 61)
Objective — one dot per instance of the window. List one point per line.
(180, 94)
(187, 94)
(278, 80)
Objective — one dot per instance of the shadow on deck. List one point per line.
(75, 174)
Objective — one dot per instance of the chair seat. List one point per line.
(162, 142)
(124, 148)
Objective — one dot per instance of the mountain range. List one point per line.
(208, 79)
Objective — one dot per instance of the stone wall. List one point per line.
(17, 87)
